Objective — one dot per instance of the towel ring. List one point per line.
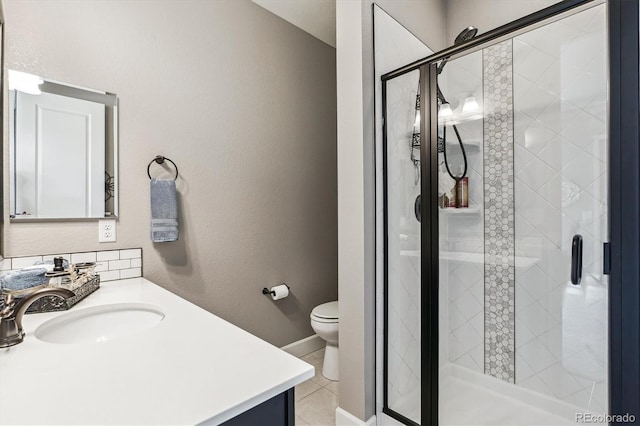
(161, 159)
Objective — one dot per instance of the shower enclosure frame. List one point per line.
(622, 257)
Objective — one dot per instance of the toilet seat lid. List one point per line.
(327, 310)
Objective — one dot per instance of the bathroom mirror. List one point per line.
(62, 150)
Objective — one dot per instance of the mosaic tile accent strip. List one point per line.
(499, 227)
(110, 264)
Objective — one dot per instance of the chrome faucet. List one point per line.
(11, 332)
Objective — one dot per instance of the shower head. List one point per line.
(465, 35)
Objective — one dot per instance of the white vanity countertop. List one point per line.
(191, 368)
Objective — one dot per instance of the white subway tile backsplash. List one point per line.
(23, 262)
(130, 254)
(102, 266)
(66, 256)
(119, 264)
(5, 264)
(109, 275)
(130, 273)
(109, 263)
(108, 255)
(83, 257)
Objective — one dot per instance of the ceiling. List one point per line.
(317, 17)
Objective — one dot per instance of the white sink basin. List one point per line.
(100, 323)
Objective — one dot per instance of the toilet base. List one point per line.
(330, 365)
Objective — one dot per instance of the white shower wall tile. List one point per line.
(534, 102)
(461, 281)
(536, 318)
(535, 384)
(560, 328)
(558, 129)
(584, 130)
(536, 282)
(523, 336)
(559, 381)
(394, 47)
(534, 61)
(537, 356)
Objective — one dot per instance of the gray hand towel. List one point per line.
(164, 210)
(23, 279)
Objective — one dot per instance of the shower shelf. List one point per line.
(460, 120)
(472, 146)
(469, 145)
(468, 257)
(471, 210)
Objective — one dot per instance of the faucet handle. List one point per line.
(9, 304)
(11, 332)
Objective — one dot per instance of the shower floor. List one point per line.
(463, 403)
(469, 398)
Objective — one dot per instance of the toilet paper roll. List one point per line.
(279, 292)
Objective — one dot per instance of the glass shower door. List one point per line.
(402, 249)
(522, 216)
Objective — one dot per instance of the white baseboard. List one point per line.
(305, 346)
(345, 418)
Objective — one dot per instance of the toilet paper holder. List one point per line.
(266, 291)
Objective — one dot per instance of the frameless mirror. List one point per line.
(62, 150)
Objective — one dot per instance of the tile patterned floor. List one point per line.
(317, 398)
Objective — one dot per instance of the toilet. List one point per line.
(324, 321)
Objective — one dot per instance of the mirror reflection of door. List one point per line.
(59, 139)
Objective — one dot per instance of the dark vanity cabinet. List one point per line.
(277, 411)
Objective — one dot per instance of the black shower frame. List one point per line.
(624, 207)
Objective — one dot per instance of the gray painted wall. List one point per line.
(245, 104)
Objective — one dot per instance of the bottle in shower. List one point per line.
(462, 192)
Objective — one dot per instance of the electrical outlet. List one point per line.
(107, 231)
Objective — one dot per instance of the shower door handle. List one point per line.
(576, 259)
